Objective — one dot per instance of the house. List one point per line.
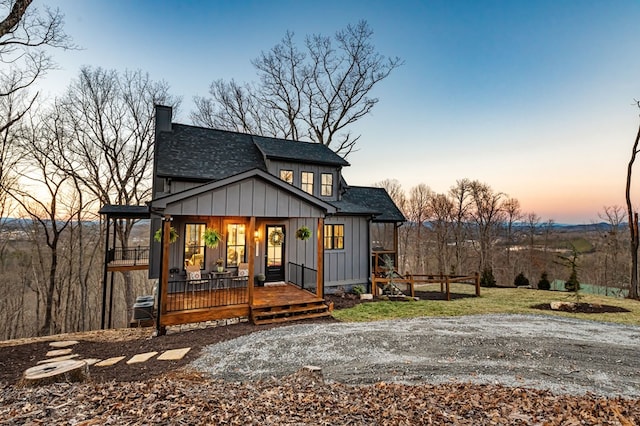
(258, 193)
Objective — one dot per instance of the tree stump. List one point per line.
(55, 372)
(310, 374)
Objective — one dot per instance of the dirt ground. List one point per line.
(486, 369)
(449, 349)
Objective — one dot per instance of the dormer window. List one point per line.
(327, 185)
(287, 176)
(307, 182)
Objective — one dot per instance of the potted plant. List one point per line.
(303, 233)
(260, 278)
(173, 235)
(212, 237)
(220, 264)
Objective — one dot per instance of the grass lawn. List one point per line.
(493, 300)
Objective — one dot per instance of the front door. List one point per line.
(274, 266)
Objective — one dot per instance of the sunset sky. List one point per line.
(535, 98)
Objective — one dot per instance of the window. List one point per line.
(307, 182)
(287, 176)
(236, 243)
(334, 237)
(327, 185)
(194, 244)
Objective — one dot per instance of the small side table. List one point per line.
(219, 277)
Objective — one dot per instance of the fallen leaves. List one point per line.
(187, 398)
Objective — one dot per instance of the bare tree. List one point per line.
(532, 222)
(442, 210)
(613, 268)
(513, 214)
(314, 94)
(48, 209)
(26, 33)
(487, 214)
(632, 218)
(109, 120)
(418, 212)
(460, 194)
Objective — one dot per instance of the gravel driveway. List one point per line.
(545, 352)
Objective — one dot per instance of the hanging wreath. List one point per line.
(276, 237)
(173, 235)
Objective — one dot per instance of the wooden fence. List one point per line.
(410, 280)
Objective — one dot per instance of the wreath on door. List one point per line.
(276, 237)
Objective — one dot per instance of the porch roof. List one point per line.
(125, 211)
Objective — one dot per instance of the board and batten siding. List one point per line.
(250, 197)
(179, 186)
(349, 266)
(274, 168)
(298, 251)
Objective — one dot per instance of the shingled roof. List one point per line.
(375, 201)
(198, 153)
(303, 152)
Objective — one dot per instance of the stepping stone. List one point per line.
(110, 361)
(141, 357)
(91, 361)
(59, 352)
(63, 344)
(173, 354)
(59, 358)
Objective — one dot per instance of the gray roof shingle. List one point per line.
(198, 153)
(375, 201)
(304, 152)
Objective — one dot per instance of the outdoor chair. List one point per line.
(243, 274)
(194, 276)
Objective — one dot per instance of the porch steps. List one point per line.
(289, 312)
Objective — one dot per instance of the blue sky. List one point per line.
(535, 98)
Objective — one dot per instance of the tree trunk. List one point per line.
(633, 224)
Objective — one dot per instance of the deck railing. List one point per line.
(303, 277)
(132, 256)
(184, 295)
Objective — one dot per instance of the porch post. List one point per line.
(104, 275)
(164, 273)
(320, 262)
(252, 258)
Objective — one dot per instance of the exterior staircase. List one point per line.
(289, 312)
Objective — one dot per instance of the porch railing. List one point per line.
(132, 256)
(303, 277)
(184, 295)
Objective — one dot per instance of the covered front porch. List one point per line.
(203, 291)
(257, 218)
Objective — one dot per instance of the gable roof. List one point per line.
(202, 154)
(303, 152)
(365, 199)
(162, 202)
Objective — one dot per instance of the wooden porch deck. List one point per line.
(270, 304)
